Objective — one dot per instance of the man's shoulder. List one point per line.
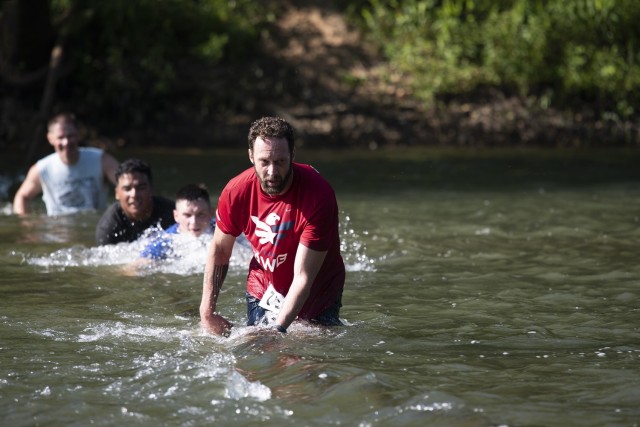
(172, 229)
(242, 181)
(246, 176)
(93, 150)
(113, 211)
(46, 160)
(310, 176)
(91, 153)
(112, 219)
(307, 171)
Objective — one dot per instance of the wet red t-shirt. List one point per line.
(306, 214)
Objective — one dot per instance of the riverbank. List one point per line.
(318, 71)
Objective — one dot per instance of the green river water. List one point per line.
(483, 289)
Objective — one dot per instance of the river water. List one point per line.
(483, 289)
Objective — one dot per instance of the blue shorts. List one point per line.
(329, 317)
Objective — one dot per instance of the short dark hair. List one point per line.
(131, 166)
(273, 127)
(193, 192)
(62, 118)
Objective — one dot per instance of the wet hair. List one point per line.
(131, 166)
(271, 127)
(62, 118)
(193, 192)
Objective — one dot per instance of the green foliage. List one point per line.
(567, 50)
(129, 51)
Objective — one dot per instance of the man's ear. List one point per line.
(50, 139)
(251, 156)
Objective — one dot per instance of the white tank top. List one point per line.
(68, 189)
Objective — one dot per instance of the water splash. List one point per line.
(354, 251)
(238, 387)
(121, 331)
(6, 209)
(188, 255)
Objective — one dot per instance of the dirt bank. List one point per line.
(317, 71)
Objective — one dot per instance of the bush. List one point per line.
(563, 52)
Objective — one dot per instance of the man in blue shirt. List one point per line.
(193, 216)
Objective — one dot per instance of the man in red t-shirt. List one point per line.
(289, 214)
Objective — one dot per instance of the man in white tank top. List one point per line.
(72, 179)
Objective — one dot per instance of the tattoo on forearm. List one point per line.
(219, 274)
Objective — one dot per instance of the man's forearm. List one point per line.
(293, 302)
(306, 267)
(21, 205)
(211, 321)
(213, 280)
(215, 272)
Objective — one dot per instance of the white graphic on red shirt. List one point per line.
(264, 230)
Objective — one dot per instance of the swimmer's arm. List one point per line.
(132, 269)
(30, 188)
(109, 166)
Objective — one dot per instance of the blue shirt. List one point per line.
(162, 246)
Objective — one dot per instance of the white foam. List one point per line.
(238, 387)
